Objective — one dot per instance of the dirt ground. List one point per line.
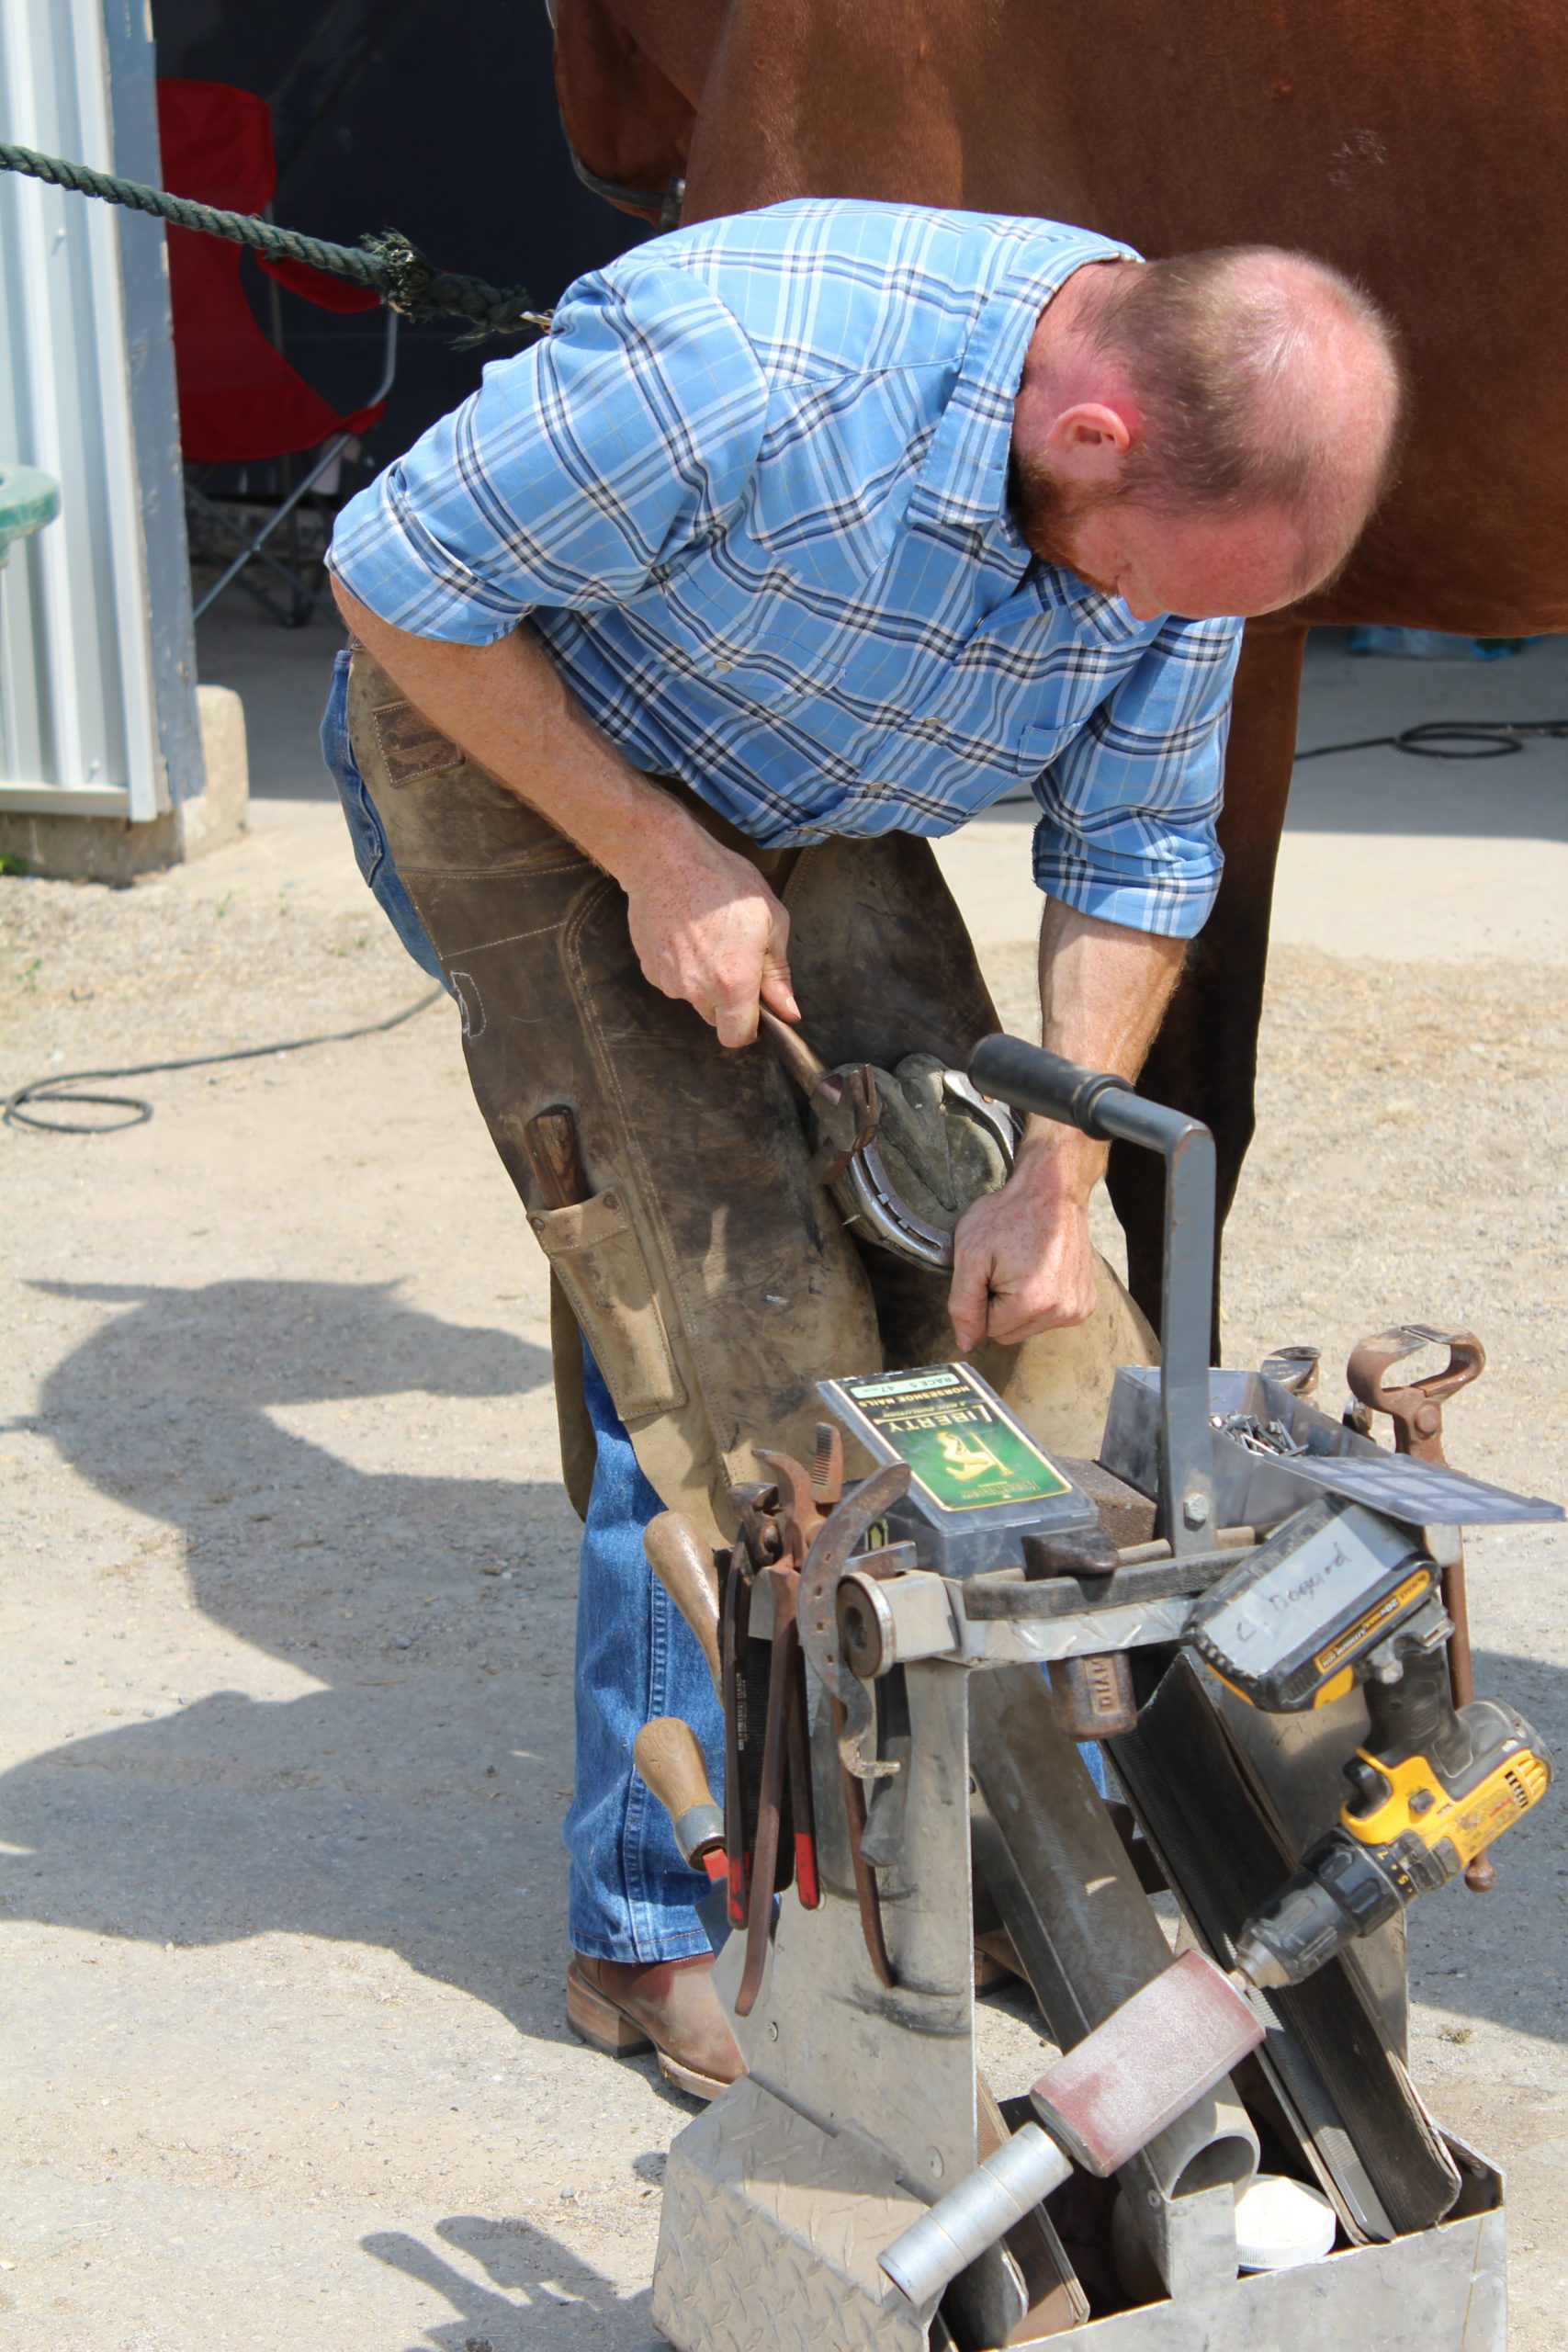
(288, 1579)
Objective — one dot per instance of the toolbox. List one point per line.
(909, 1664)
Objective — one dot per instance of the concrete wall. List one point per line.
(113, 849)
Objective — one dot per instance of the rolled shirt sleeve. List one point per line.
(625, 437)
(1131, 805)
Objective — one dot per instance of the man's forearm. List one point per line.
(1022, 1258)
(705, 926)
(1104, 991)
(507, 708)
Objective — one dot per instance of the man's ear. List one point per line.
(1087, 444)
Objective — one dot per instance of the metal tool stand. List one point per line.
(863, 2104)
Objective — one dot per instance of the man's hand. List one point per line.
(707, 929)
(1021, 1257)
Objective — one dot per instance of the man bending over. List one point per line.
(806, 536)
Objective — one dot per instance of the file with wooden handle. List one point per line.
(556, 1158)
(670, 1760)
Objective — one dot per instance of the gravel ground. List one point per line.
(288, 1591)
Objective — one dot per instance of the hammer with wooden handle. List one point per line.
(685, 1566)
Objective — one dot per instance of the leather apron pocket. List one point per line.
(598, 1259)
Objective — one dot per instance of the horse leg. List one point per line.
(1205, 1057)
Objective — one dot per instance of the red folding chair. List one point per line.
(240, 401)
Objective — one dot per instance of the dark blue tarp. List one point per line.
(434, 118)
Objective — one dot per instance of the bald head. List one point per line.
(1262, 378)
(1242, 389)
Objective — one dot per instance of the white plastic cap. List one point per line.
(1280, 2222)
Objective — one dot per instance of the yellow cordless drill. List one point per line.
(1341, 1595)
(1434, 1785)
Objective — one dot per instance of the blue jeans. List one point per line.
(365, 828)
(637, 1657)
(631, 1893)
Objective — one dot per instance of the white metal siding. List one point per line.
(79, 697)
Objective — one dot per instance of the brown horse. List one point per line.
(1392, 140)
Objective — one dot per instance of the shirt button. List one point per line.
(720, 667)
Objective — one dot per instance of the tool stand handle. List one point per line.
(1032, 1079)
(1100, 1104)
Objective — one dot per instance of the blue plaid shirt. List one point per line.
(751, 494)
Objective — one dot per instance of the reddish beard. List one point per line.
(1049, 513)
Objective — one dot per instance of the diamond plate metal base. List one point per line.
(1443, 2290)
(770, 2233)
(771, 2228)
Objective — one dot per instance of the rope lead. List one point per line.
(409, 282)
(387, 263)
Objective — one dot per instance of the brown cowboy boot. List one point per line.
(620, 2006)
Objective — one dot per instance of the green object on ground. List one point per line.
(27, 501)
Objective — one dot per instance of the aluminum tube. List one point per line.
(957, 2231)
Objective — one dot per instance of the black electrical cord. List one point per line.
(14, 1114)
(1452, 739)
(1435, 739)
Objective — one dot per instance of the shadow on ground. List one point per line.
(539, 2295)
(1501, 1955)
(414, 1801)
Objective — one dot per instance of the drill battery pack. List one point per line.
(1287, 1628)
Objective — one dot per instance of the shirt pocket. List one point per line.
(595, 1252)
(1037, 746)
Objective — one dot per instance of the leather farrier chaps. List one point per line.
(714, 1281)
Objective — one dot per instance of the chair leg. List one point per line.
(272, 607)
(196, 502)
(235, 576)
(299, 603)
(252, 547)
